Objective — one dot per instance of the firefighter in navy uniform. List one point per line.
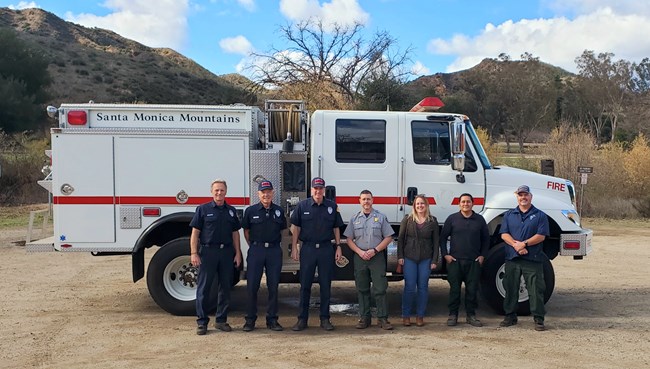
(315, 222)
(215, 249)
(263, 224)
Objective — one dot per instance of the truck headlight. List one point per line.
(572, 215)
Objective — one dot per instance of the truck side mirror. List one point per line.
(458, 149)
(411, 192)
(330, 193)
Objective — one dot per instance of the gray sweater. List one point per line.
(419, 243)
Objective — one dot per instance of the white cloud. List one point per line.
(557, 41)
(623, 7)
(161, 23)
(247, 4)
(236, 45)
(341, 12)
(23, 5)
(419, 69)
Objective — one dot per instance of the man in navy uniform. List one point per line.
(524, 230)
(368, 235)
(315, 222)
(263, 224)
(215, 249)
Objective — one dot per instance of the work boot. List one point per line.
(223, 326)
(201, 330)
(249, 326)
(452, 320)
(419, 321)
(363, 323)
(539, 325)
(508, 321)
(274, 325)
(326, 325)
(385, 324)
(471, 319)
(406, 322)
(300, 325)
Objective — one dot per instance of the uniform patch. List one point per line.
(329, 209)
(232, 214)
(256, 216)
(277, 213)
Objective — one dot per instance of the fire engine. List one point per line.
(126, 179)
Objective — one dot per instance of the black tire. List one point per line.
(492, 281)
(172, 279)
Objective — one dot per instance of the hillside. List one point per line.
(100, 65)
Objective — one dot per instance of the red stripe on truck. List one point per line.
(140, 200)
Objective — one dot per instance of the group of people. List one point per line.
(462, 245)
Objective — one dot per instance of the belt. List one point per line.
(265, 244)
(216, 245)
(318, 244)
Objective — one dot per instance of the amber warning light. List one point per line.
(77, 117)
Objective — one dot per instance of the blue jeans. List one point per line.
(416, 286)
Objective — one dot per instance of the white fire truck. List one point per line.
(126, 180)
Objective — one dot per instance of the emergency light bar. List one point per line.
(428, 104)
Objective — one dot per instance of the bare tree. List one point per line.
(337, 56)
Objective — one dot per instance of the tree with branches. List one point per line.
(332, 59)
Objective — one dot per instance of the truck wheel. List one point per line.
(172, 279)
(492, 281)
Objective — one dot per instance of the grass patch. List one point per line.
(18, 216)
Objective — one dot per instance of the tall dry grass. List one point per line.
(618, 187)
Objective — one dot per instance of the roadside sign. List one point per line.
(585, 169)
(583, 178)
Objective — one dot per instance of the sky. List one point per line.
(445, 35)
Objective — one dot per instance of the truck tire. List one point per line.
(172, 279)
(492, 281)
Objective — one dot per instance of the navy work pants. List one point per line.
(314, 256)
(215, 262)
(259, 258)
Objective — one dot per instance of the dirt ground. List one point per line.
(79, 311)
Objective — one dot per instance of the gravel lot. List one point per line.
(79, 311)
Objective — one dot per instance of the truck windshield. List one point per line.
(477, 145)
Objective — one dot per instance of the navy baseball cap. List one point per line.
(265, 185)
(523, 188)
(318, 182)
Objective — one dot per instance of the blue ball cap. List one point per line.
(523, 189)
(318, 182)
(265, 185)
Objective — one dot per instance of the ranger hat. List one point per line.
(265, 185)
(523, 188)
(318, 182)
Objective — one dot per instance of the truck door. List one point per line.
(83, 189)
(427, 167)
(358, 151)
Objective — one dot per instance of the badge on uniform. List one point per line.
(329, 209)
(277, 213)
(231, 213)
(376, 219)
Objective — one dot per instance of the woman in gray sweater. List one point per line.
(418, 254)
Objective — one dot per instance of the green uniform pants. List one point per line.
(365, 272)
(533, 274)
(459, 271)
